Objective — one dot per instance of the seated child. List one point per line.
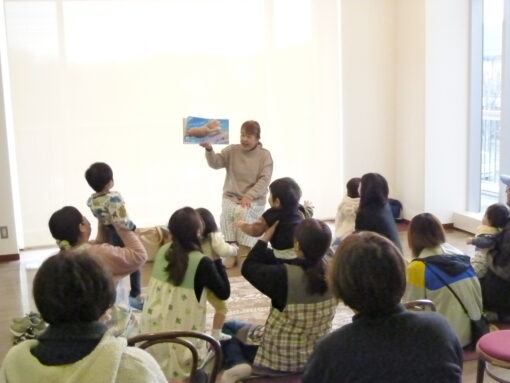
(346, 214)
(108, 207)
(212, 241)
(284, 195)
(495, 218)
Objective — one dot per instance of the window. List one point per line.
(486, 99)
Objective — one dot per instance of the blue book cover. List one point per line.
(198, 129)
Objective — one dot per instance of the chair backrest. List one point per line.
(420, 305)
(179, 337)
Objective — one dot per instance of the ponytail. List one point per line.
(314, 238)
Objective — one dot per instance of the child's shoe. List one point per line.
(220, 335)
(136, 302)
(32, 320)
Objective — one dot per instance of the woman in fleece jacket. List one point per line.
(72, 291)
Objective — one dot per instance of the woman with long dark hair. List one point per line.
(302, 307)
(374, 213)
(176, 299)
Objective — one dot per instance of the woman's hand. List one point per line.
(245, 202)
(268, 234)
(206, 145)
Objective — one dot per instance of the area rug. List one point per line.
(247, 304)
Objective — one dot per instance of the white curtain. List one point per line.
(111, 81)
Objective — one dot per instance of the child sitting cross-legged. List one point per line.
(284, 196)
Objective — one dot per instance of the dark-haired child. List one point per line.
(346, 213)
(214, 246)
(284, 196)
(108, 207)
(495, 218)
(176, 298)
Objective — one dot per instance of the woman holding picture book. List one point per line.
(249, 168)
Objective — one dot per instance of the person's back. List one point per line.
(374, 213)
(346, 213)
(175, 298)
(456, 271)
(72, 291)
(285, 209)
(107, 205)
(304, 313)
(288, 220)
(438, 271)
(384, 343)
(302, 306)
(111, 361)
(399, 347)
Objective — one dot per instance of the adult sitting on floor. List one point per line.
(72, 231)
(441, 273)
(384, 342)
(302, 307)
(72, 291)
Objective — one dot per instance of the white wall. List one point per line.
(404, 100)
(405, 91)
(111, 81)
(8, 246)
(410, 105)
(368, 60)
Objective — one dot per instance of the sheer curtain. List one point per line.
(112, 80)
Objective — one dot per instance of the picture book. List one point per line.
(198, 129)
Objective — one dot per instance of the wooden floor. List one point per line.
(16, 277)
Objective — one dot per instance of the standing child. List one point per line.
(495, 218)
(109, 207)
(214, 246)
(284, 195)
(346, 214)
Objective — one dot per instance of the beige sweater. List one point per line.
(248, 172)
(119, 261)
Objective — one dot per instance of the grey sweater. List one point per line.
(248, 172)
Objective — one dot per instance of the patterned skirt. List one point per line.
(232, 212)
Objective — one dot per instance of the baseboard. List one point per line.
(448, 226)
(9, 258)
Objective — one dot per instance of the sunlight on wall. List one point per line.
(111, 81)
(295, 28)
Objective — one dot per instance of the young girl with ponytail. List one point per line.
(176, 298)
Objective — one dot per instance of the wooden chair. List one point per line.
(420, 305)
(147, 340)
(493, 350)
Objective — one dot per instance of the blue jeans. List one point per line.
(235, 351)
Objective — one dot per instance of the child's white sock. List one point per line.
(219, 335)
(236, 373)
